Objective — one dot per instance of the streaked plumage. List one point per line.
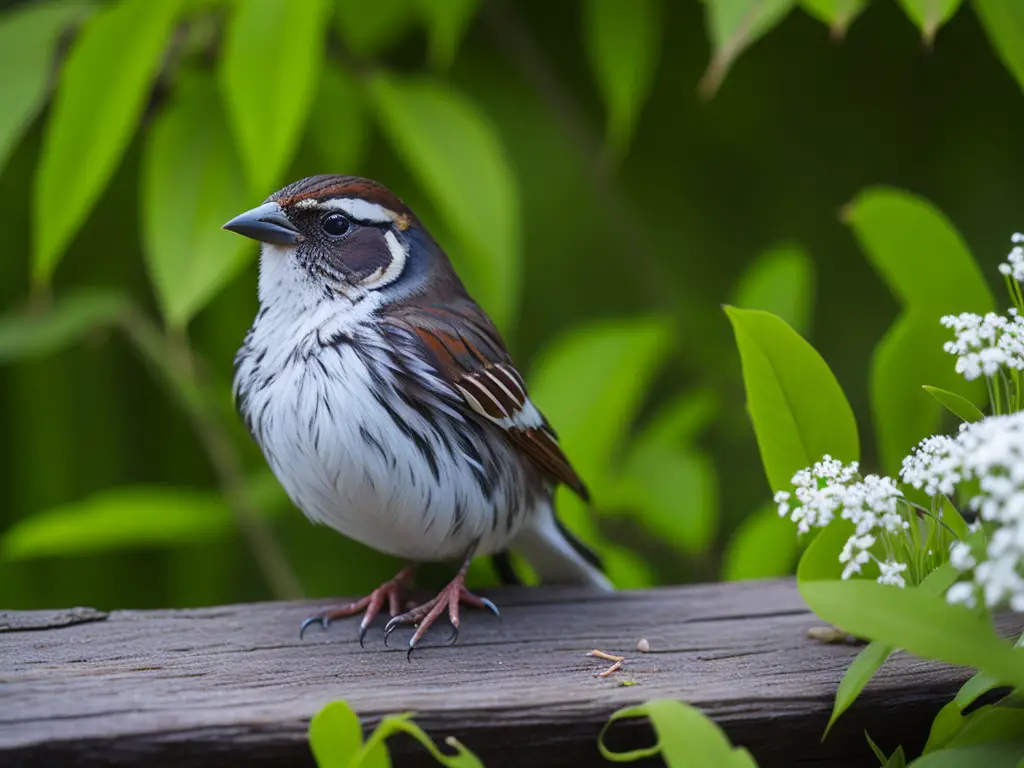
(384, 398)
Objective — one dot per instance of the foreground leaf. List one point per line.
(192, 183)
(798, 409)
(685, 738)
(70, 318)
(838, 14)
(780, 281)
(1003, 22)
(103, 87)
(733, 26)
(956, 404)
(922, 624)
(929, 15)
(393, 724)
(28, 37)
(764, 545)
(269, 70)
(335, 735)
(455, 153)
(1001, 754)
(623, 41)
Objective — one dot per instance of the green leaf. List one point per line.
(780, 281)
(335, 735)
(192, 183)
(393, 724)
(857, 675)
(338, 126)
(623, 42)
(951, 516)
(956, 404)
(70, 318)
(923, 624)
(675, 493)
(446, 23)
(104, 83)
(28, 37)
(820, 561)
(733, 26)
(1003, 754)
(269, 71)
(838, 14)
(368, 28)
(917, 252)
(678, 423)
(455, 153)
(1003, 22)
(764, 545)
(926, 264)
(685, 737)
(929, 15)
(798, 409)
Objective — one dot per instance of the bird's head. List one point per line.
(344, 237)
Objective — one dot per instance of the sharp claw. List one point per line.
(490, 606)
(455, 636)
(312, 620)
(362, 634)
(389, 628)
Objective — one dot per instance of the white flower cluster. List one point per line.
(992, 452)
(872, 504)
(983, 345)
(1014, 265)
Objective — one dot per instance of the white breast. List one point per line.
(342, 458)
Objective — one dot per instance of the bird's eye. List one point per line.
(335, 224)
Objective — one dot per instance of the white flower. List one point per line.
(892, 573)
(1014, 264)
(962, 593)
(984, 345)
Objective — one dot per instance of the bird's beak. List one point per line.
(267, 223)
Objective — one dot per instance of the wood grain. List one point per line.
(235, 686)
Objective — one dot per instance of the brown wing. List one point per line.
(466, 349)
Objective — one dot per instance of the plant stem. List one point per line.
(174, 358)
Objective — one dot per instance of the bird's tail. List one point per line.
(556, 555)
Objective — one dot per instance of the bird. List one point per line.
(388, 406)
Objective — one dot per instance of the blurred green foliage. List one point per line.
(604, 175)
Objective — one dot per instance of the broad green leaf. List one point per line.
(764, 545)
(992, 723)
(798, 409)
(1001, 754)
(675, 493)
(922, 624)
(838, 14)
(780, 281)
(393, 724)
(368, 28)
(104, 83)
(929, 15)
(269, 71)
(873, 656)
(917, 252)
(36, 333)
(338, 124)
(951, 516)
(446, 23)
(28, 36)
(455, 153)
(623, 41)
(680, 421)
(926, 264)
(129, 517)
(335, 735)
(733, 26)
(192, 183)
(1003, 22)
(897, 759)
(820, 561)
(685, 738)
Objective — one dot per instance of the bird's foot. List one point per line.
(370, 605)
(424, 615)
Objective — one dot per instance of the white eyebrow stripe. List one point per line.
(358, 209)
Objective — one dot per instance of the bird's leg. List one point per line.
(371, 604)
(449, 598)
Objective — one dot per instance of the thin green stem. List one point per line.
(175, 360)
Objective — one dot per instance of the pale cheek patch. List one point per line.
(387, 275)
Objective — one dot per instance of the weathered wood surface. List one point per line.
(234, 685)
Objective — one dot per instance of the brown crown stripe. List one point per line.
(327, 186)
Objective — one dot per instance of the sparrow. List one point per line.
(386, 402)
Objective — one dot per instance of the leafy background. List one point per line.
(606, 174)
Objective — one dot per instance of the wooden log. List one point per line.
(235, 686)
